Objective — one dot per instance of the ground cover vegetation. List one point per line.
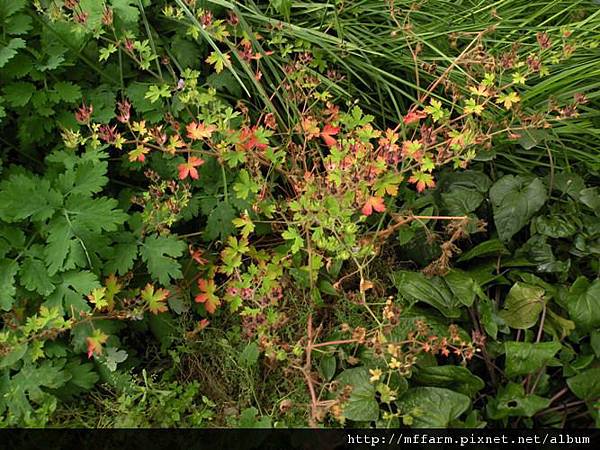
(279, 213)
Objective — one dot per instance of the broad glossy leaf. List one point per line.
(415, 286)
(327, 367)
(523, 358)
(456, 378)
(522, 306)
(590, 197)
(436, 407)
(554, 226)
(512, 401)
(492, 247)
(362, 405)
(464, 288)
(569, 183)
(586, 385)
(515, 200)
(583, 303)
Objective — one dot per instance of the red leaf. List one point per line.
(207, 295)
(94, 343)
(189, 168)
(327, 133)
(413, 116)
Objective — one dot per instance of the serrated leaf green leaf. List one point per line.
(123, 255)
(160, 254)
(8, 271)
(69, 295)
(67, 91)
(34, 277)
(126, 10)
(10, 50)
(219, 223)
(27, 197)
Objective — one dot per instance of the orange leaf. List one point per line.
(94, 343)
(155, 300)
(207, 295)
(373, 203)
(197, 131)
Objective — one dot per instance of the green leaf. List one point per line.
(94, 10)
(58, 248)
(8, 271)
(433, 407)
(123, 255)
(522, 306)
(249, 356)
(492, 247)
(462, 286)
(16, 353)
(455, 378)
(554, 226)
(219, 224)
(245, 185)
(25, 196)
(82, 375)
(583, 303)
(67, 91)
(18, 24)
(569, 183)
(126, 10)
(9, 51)
(25, 386)
(34, 277)
(488, 316)
(523, 358)
(415, 286)
(515, 200)
(113, 356)
(595, 342)
(512, 401)
(558, 326)
(70, 293)
(532, 137)
(10, 7)
(586, 385)
(95, 215)
(362, 405)
(18, 94)
(590, 197)
(283, 7)
(160, 253)
(248, 419)
(461, 201)
(327, 367)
